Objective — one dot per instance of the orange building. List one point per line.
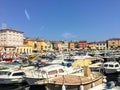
(71, 45)
(82, 44)
(91, 45)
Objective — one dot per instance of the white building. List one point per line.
(11, 37)
(101, 45)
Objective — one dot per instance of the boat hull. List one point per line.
(73, 86)
(11, 80)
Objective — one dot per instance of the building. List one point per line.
(49, 46)
(24, 49)
(11, 40)
(11, 37)
(82, 44)
(101, 45)
(57, 45)
(64, 45)
(91, 45)
(71, 45)
(113, 43)
(37, 44)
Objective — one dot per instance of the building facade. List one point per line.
(113, 43)
(24, 50)
(36, 43)
(101, 45)
(64, 45)
(71, 45)
(11, 37)
(82, 44)
(91, 45)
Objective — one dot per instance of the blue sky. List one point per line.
(91, 20)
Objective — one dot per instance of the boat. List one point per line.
(76, 81)
(46, 72)
(11, 72)
(110, 67)
(106, 86)
(9, 76)
(96, 65)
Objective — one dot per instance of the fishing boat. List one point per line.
(76, 81)
(47, 72)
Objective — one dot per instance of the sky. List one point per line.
(91, 20)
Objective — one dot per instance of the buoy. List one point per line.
(63, 87)
(93, 84)
(104, 79)
(81, 87)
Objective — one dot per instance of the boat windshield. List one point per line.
(116, 65)
(111, 65)
(106, 65)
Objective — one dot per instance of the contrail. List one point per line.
(27, 15)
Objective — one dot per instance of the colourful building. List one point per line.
(36, 43)
(91, 45)
(113, 43)
(71, 45)
(83, 44)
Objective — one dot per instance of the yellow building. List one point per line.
(24, 49)
(113, 43)
(36, 43)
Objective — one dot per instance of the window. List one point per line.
(106, 65)
(19, 74)
(61, 71)
(111, 65)
(116, 65)
(52, 72)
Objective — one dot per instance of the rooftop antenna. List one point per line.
(3, 25)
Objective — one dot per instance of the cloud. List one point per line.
(68, 35)
(27, 15)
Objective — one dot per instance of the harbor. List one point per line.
(113, 77)
(59, 45)
(55, 70)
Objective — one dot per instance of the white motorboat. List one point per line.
(46, 72)
(110, 67)
(9, 76)
(106, 86)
